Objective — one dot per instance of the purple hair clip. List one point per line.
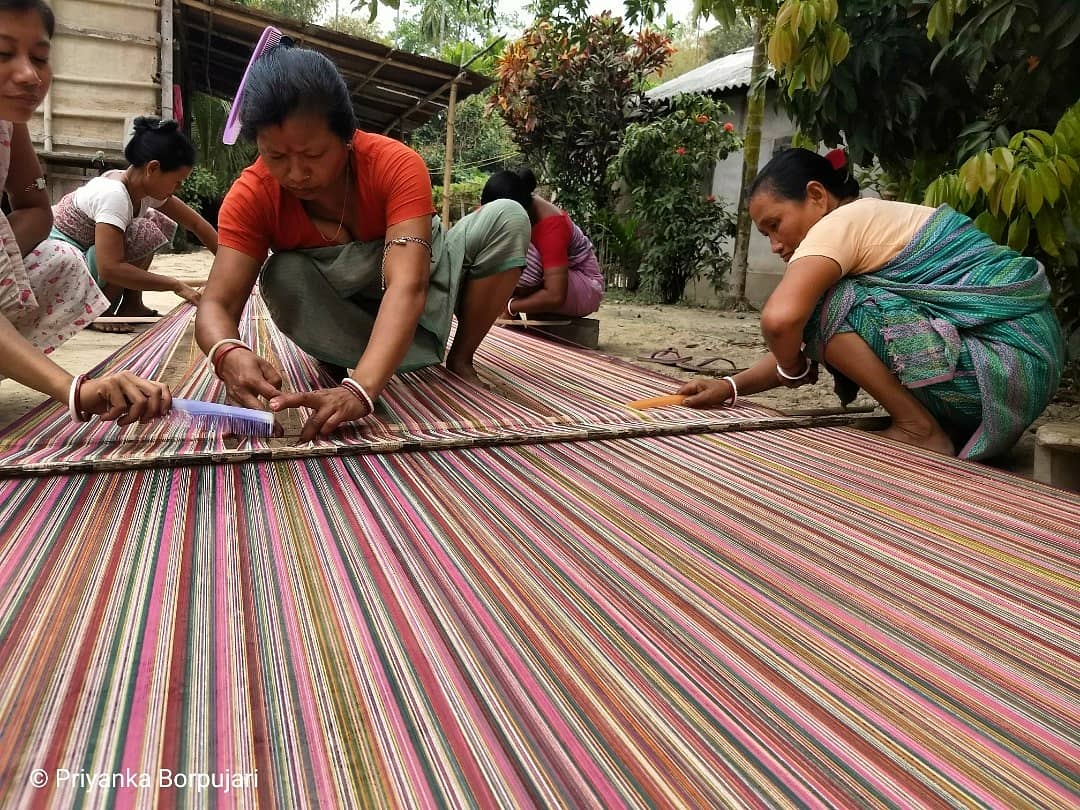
(270, 37)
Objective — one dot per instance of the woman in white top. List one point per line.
(123, 217)
(46, 293)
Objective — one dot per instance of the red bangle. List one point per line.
(221, 356)
(358, 391)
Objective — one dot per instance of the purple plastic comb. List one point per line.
(226, 418)
(270, 37)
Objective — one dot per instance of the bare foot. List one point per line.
(139, 310)
(465, 371)
(931, 438)
(115, 328)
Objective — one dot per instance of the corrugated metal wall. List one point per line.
(106, 66)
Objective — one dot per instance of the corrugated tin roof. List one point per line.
(726, 73)
(393, 92)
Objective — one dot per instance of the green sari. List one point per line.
(964, 323)
(326, 299)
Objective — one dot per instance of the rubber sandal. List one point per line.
(706, 366)
(111, 328)
(665, 357)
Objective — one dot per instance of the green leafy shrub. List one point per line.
(618, 248)
(667, 165)
(464, 195)
(568, 89)
(1026, 194)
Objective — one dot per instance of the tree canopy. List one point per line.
(568, 91)
(944, 78)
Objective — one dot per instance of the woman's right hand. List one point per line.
(188, 293)
(125, 398)
(707, 393)
(248, 377)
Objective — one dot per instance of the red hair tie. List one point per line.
(837, 159)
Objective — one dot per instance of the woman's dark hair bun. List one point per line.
(159, 139)
(788, 173)
(507, 185)
(528, 179)
(149, 123)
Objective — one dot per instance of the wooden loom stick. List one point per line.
(128, 318)
(525, 324)
(398, 444)
(827, 411)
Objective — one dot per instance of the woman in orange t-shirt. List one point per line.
(362, 276)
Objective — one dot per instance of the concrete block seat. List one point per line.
(579, 331)
(1057, 455)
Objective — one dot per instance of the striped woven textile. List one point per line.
(558, 393)
(787, 618)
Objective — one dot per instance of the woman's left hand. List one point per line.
(331, 406)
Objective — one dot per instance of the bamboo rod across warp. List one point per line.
(557, 394)
(785, 619)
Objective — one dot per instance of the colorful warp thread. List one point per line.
(553, 394)
(790, 618)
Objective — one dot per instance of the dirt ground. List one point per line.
(627, 330)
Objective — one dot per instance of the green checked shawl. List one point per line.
(963, 322)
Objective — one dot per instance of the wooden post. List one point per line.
(47, 123)
(448, 160)
(755, 114)
(166, 56)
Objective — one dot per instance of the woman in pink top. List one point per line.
(561, 275)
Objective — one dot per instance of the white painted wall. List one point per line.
(766, 268)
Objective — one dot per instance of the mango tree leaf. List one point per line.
(990, 225)
(1049, 180)
(970, 174)
(1064, 172)
(1033, 192)
(987, 171)
(1009, 192)
(1044, 229)
(1019, 233)
(1004, 158)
